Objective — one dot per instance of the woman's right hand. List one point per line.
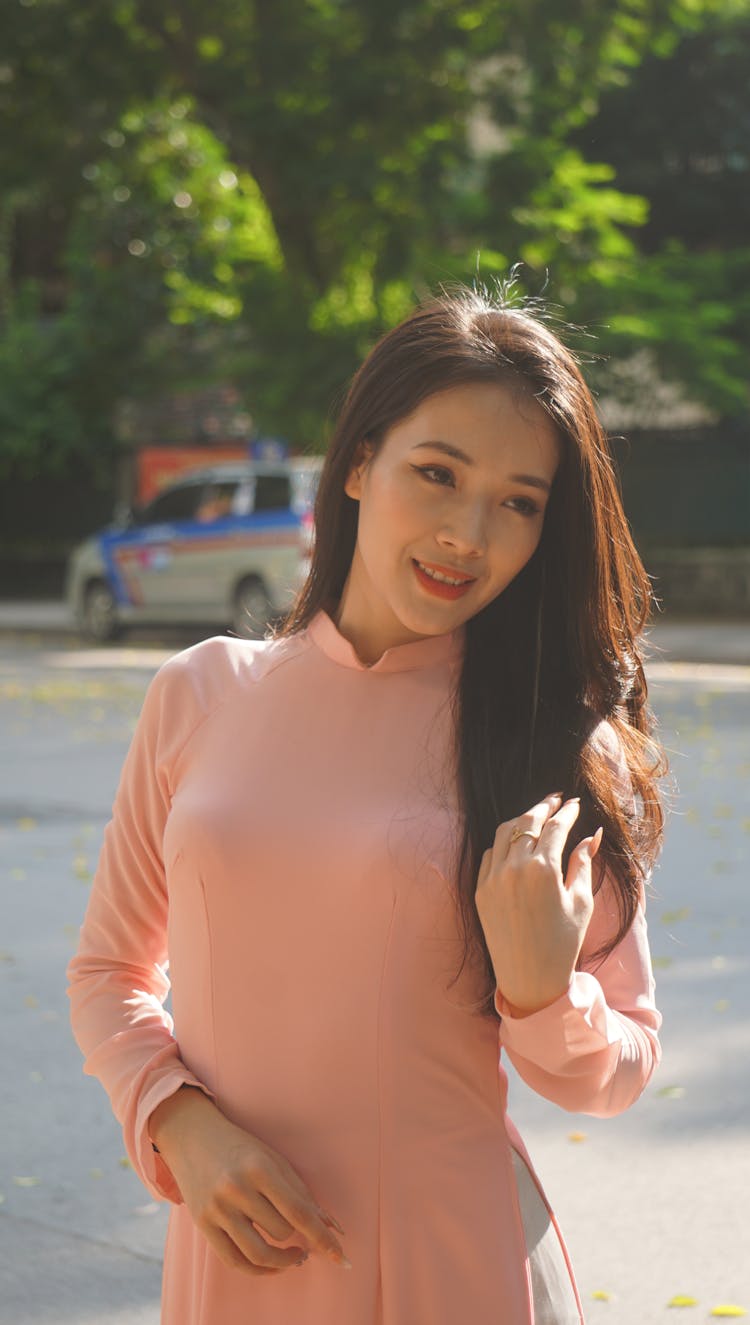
(232, 1181)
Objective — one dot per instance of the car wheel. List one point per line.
(99, 617)
(252, 608)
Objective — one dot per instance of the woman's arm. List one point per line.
(595, 1048)
(117, 982)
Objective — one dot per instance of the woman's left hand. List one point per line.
(535, 921)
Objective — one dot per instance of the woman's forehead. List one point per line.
(480, 421)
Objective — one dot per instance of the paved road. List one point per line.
(652, 1203)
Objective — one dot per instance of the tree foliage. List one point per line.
(254, 190)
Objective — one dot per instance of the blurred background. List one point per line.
(208, 213)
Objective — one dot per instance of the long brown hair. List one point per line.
(566, 707)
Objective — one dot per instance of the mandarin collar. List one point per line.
(419, 654)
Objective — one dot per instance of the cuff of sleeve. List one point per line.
(575, 1025)
(146, 1159)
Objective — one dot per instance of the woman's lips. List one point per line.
(437, 587)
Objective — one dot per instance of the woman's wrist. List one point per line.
(168, 1116)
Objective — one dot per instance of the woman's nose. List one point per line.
(466, 533)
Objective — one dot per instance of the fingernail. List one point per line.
(340, 1258)
(593, 845)
(333, 1223)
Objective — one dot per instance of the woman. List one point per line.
(414, 824)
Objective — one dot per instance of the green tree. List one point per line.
(255, 190)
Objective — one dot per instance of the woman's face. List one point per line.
(477, 514)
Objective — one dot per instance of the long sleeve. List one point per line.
(117, 979)
(596, 1047)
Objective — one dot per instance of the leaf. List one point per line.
(681, 1300)
(661, 963)
(96, 1173)
(601, 1295)
(671, 917)
(27, 1181)
(26, 823)
(124, 1162)
(81, 869)
(728, 1309)
(576, 1136)
(671, 1092)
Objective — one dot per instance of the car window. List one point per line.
(304, 488)
(217, 501)
(178, 503)
(272, 492)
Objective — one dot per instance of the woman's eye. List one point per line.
(526, 505)
(432, 469)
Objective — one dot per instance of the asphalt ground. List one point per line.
(652, 1203)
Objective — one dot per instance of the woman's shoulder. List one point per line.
(216, 667)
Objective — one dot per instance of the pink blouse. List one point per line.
(281, 840)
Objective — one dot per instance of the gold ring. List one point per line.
(522, 832)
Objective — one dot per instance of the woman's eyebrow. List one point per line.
(533, 480)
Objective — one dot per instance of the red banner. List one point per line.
(159, 465)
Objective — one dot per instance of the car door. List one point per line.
(206, 547)
(150, 556)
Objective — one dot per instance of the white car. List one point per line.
(227, 545)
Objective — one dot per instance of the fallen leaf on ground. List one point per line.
(124, 1162)
(30, 1181)
(576, 1136)
(681, 1300)
(96, 1173)
(671, 917)
(600, 1295)
(671, 1092)
(661, 963)
(728, 1309)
